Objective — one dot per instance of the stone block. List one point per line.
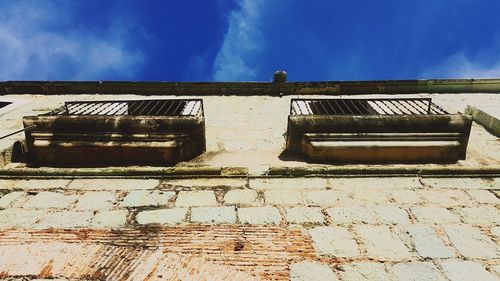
(482, 215)
(372, 195)
(96, 200)
(427, 243)
(241, 197)
(65, 219)
(287, 184)
(196, 198)
(112, 184)
(391, 215)
(34, 184)
(471, 242)
(311, 271)
(458, 270)
(304, 215)
(460, 183)
(142, 198)
(381, 243)
(205, 183)
(259, 215)
(216, 215)
(434, 215)
(280, 197)
(109, 219)
(365, 271)
(164, 216)
(20, 218)
(352, 214)
(483, 196)
(49, 199)
(446, 197)
(8, 199)
(334, 242)
(325, 198)
(406, 196)
(417, 271)
(375, 182)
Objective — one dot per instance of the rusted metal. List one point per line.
(170, 107)
(117, 133)
(376, 131)
(378, 106)
(18, 131)
(176, 253)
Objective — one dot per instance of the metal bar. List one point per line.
(339, 107)
(417, 106)
(170, 104)
(360, 112)
(153, 110)
(31, 127)
(323, 106)
(311, 102)
(145, 108)
(134, 106)
(329, 104)
(176, 108)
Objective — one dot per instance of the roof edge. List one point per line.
(252, 88)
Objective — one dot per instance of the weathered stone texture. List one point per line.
(96, 200)
(213, 215)
(162, 216)
(483, 196)
(391, 215)
(365, 271)
(311, 271)
(427, 242)
(334, 241)
(140, 198)
(259, 215)
(446, 197)
(49, 199)
(196, 198)
(280, 197)
(286, 184)
(482, 215)
(241, 196)
(417, 271)
(459, 270)
(65, 219)
(304, 215)
(112, 184)
(110, 219)
(381, 243)
(352, 214)
(8, 199)
(434, 215)
(325, 198)
(471, 242)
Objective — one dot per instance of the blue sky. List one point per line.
(243, 40)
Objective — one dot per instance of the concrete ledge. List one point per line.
(206, 171)
(486, 117)
(252, 88)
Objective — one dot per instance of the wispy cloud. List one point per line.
(459, 66)
(241, 45)
(40, 41)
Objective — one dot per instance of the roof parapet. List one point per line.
(278, 87)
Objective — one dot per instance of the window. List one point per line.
(376, 130)
(117, 133)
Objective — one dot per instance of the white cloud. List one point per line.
(36, 44)
(241, 45)
(459, 66)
